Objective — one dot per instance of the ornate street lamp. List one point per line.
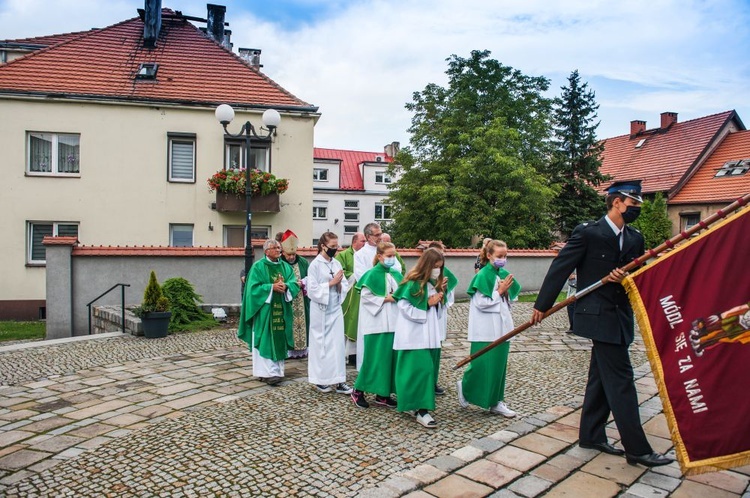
(271, 118)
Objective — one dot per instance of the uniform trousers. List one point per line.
(610, 388)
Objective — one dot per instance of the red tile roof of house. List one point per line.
(705, 187)
(46, 40)
(350, 160)
(102, 64)
(666, 155)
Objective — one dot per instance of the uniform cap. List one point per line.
(628, 188)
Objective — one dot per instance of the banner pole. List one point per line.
(668, 244)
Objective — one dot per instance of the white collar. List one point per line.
(613, 226)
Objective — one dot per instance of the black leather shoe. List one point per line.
(603, 447)
(650, 460)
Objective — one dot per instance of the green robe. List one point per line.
(350, 306)
(485, 281)
(376, 374)
(452, 280)
(271, 322)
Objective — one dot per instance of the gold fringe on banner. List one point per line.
(687, 466)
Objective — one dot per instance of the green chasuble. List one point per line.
(374, 279)
(350, 306)
(272, 322)
(485, 282)
(346, 258)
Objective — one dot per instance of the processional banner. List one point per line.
(692, 309)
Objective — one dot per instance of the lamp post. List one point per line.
(271, 118)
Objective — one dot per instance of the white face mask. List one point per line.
(435, 273)
(389, 262)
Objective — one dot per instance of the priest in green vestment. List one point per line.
(266, 316)
(350, 306)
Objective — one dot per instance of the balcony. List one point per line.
(230, 203)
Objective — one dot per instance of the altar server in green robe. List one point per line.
(377, 321)
(492, 289)
(450, 285)
(421, 303)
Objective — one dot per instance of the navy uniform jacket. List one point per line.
(593, 251)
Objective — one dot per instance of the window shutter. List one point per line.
(38, 232)
(182, 160)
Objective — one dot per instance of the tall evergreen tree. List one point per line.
(476, 157)
(577, 157)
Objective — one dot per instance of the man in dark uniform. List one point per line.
(595, 251)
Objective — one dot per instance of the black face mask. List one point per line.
(631, 214)
(331, 252)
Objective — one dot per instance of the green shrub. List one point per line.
(153, 298)
(183, 301)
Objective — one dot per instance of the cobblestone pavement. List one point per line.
(182, 416)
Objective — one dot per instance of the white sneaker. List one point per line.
(502, 409)
(460, 390)
(426, 420)
(343, 388)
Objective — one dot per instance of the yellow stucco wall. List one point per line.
(122, 196)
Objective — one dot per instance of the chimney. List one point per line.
(392, 149)
(668, 119)
(215, 22)
(251, 56)
(637, 126)
(151, 23)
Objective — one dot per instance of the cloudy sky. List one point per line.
(361, 60)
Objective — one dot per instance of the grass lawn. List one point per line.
(18, 331)
(530, 298)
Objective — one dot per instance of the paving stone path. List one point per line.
(183, 416)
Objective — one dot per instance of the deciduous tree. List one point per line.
(475, 160)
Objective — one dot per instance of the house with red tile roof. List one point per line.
(113, 138)
(723, 178)
(350, 190)
(665, 157)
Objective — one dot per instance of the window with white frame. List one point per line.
(349, 204)
(351, 229)
(181, 152)
(261, 232)
(734, 168)
(53, 154)
(688, 220)
(180, 235)
(234, 235)
(37, 230)
(320, 212)
(382, 177)
(351, 216)
(235, 156)
(383, 212)
(320, 175)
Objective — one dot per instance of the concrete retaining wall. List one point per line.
(76, 275)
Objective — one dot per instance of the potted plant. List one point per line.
(154, 310)
(229, 185)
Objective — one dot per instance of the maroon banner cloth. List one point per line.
(692, 308)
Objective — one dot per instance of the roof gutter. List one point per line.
(108, 99)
